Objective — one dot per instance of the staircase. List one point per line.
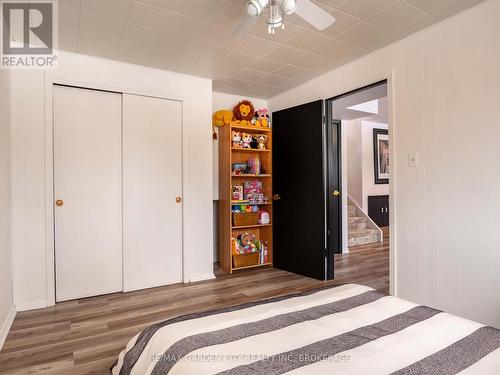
(358, 232)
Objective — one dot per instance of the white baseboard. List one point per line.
(31, 305)
(197, 278)
(6, 325)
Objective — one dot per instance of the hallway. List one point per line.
(365, 264)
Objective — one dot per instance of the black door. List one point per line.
(299, 243)
(333, 143)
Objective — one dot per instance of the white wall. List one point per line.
(354, 155)
(6, 302)
(368, 174)
(30, 92)
(221, 100)
(446, 94)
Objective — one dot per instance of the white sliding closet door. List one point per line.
(88, 188)
(152, 191)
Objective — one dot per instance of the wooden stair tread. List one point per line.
(357, 219)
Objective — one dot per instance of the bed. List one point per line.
(348, 329)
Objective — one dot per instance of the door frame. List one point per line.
(50, 82)
(332, 152)
(389, 79)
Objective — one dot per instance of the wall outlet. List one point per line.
(413, 159)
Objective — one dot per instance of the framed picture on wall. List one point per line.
(381, 156)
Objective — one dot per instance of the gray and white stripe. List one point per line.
(308, 333)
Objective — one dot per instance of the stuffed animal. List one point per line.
(261, 141)
(221, 118)
(247, 242)
(235, 245)
(262, 116)
(243, 113)
(254, 144)
(236, 138)
(246, 139)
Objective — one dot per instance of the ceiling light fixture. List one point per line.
(277, 9)
(275, 18)
(255, 7)
(288, 6)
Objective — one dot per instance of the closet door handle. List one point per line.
(59, 203)
(178, 199)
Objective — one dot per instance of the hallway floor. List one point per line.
(365, 264)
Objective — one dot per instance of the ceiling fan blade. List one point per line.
(314, 14)
(246, 24)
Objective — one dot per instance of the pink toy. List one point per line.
(262, 118)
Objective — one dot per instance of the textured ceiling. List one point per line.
(195, 37)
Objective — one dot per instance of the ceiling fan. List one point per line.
(278, 9)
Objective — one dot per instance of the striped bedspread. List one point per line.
(349, 329)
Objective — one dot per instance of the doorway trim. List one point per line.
(50, 82)
(389, 79)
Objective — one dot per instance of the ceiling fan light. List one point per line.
(255, 7)
(275, 19)
(288, 6)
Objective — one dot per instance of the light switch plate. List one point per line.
(412, 159)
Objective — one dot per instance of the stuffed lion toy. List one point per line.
(243, 113)
(221, 118)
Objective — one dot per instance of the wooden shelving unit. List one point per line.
(250, 175)
(229, 155)
(248, 149)
(252, 226)
(251, 129)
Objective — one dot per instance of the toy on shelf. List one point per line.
(247, 243)
(239, 168)
(261, 140)
(254, 166)
(254, 144)
(236, 139)
(221, 118)
(243, 113)
(237, 193)
(251, 191)
(260, 198)
(235, 246)
(262, 118)
(246, 140)
(264, 218)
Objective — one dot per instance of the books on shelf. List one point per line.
(263, 257)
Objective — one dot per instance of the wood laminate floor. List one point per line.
(85, 336)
